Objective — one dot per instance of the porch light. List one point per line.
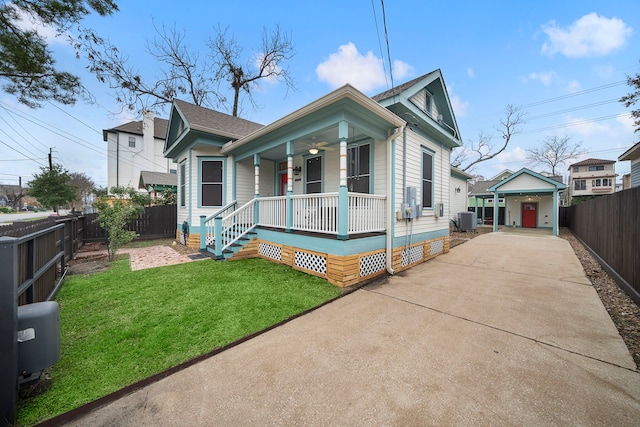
(313, 150)
(297, 170)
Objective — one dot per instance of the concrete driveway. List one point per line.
(503, 330)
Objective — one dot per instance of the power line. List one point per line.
(386, 37)
(576, 123)
(574, 94)
(569, 110)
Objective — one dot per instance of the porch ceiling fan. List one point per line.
(314, 147)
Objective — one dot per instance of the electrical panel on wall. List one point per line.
(410, 209)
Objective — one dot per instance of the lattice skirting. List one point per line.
(406, 257)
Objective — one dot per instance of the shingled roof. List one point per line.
(215, 122)
(399, 89)
(157, 178)
(159, 128)
(592, 162)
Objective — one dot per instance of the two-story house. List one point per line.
(591, 177)
(135, 147)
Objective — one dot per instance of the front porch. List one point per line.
(342, 239)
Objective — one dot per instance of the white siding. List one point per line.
(458, 201)
(441, 174)
(544, 213)
(379, 152)
(525, 182)
(267, 178)
(244, 180)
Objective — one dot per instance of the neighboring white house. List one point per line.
(458, 192)
(632, 154)
(531, 200)
(348, 187)
(592, 177)
(135, 147)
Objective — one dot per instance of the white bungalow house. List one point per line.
(347, 187)
(531, 200)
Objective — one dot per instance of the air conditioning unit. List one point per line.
(467, 221)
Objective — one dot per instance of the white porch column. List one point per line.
(343, 196)
(256, 175)
(289, 201)
(496, 210)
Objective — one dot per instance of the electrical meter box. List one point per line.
(410, 207)
(38, 336)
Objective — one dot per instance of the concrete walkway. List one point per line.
(503, 330)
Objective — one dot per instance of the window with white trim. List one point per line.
(580, 184)
(132, 142)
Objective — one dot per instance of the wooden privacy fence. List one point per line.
(154, 223)
(610, 226)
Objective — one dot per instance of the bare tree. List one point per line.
(555, 151)
(184, 72)
(268, 63)
(483, 149)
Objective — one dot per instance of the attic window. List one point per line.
(132, 142)
(427, 102)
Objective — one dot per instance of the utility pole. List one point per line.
(50, 160)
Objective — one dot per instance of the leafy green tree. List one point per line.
(84, 187)
(26, 63)
(632, 98)
(52, 187)
(168, 196)
(114, 212)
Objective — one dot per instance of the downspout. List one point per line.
(390, 201)
(117, 160)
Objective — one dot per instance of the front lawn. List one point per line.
(119, 326)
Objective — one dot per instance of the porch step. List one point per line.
(233, 249)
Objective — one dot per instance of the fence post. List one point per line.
(8, 330)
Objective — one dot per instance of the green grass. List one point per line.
(119, 326)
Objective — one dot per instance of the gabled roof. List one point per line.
(525, 171)
(632, 153)
(502, 175)
(341, 97)
(215, 122)
(592, 162)
(189, 123)
(481, 188)
(157, 178)
(400, 100)
(135, 128)
(456, 171)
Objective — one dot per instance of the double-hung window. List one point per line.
(211, 182)
(183, 184)
(427, 179)
(359, 168)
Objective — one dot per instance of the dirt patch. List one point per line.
(92, 257)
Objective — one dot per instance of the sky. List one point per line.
(564, 63)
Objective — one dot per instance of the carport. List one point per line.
(531, 200)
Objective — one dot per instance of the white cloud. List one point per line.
(591, 35)
(31, 23)
(573, 86)
(544, 77)
(626, 121)
(583, 126)
(460, 107)
(365, 72)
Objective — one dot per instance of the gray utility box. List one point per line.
(38, 336)
(467, 221)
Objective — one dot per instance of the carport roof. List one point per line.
(524, 171)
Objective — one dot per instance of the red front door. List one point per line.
(529, 215)
(283, 184)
